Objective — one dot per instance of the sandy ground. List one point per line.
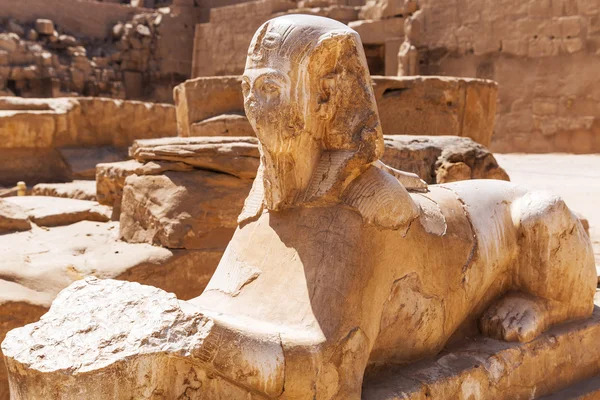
(576, 178)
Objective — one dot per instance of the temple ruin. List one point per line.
(299, 199)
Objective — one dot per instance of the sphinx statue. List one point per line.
(341, 265)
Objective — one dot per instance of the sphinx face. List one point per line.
(274, 101)
(268, 108)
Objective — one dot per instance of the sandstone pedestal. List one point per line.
(143, 341)
(483, 368)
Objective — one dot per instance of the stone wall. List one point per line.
(421, 105)
(54, 140)
(96, 49)
(220, 46)
(78, 17)
(545, 55)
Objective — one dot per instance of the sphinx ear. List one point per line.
(325, 100)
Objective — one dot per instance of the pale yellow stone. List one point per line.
(336, 269)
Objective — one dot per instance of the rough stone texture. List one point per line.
(544, 55)
(342, 304)
(483, 368)
(236, 156)
(138, 313)
(192, 210)
(219, 33)
(407, 105)
(36, 265)
(58, 140)
(120, 51)
(470, 369)
(441, 159)
(433, 158)
(204, 98)
(437, 106)
(55, 211)
(223, 125)
(13, 217)
(80, 190)
(110, 177)
(38, 123)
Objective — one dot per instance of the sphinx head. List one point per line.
(308, 96)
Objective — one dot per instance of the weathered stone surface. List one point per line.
(192, 210)
(425, 105)
(83, 121)
(137, 313)
(410, 105)
(204, 98)
(13, 217)
(44, 26)
(55, 211)
(222, 125)
(80, 190)
(467, 369)
(441, 159)
(234, 156)
(36, 265)
(379, 9)
(309, 294)
(110, 177)
(83, 160)
(484, 368)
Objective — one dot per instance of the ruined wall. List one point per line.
(220, 46)
(78, 17)
(545, 55)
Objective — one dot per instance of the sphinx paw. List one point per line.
(515, 317)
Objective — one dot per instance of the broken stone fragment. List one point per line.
(79, 189)
(192, 210)
(236, 156)
(13, 217)
(14, 27)
(32, 35)
(110, 178)
(44, 26)
(55, 211)
(139, 337)
(9, 42)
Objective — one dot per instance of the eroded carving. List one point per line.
(336, 268)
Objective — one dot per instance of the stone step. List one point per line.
(584, 390)
(483, 368)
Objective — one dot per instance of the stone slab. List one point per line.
(237, 156)
(436, 105)
(36, 265)
(55, 211)
(193, 210)
(13, 217)
(80, 190)
(482, 368)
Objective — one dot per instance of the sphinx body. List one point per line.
(345, 267)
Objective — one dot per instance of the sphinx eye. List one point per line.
(269, 88)
(245, 88)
